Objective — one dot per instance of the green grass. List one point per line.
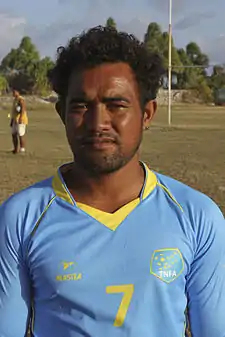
(191, 150)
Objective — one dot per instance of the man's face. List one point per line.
(103, 119)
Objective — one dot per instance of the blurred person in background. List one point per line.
(18, 123)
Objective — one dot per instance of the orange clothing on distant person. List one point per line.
(19, 116)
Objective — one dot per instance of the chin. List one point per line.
(102, 164)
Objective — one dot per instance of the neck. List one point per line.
(124, 184)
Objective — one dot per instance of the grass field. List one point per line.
(192, 150)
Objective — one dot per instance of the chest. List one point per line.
(73, 254)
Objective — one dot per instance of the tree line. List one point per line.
(24, 69)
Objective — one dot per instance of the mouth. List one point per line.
(99, 142)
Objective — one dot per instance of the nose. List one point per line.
(98, 118)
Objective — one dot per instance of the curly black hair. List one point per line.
(106, 45)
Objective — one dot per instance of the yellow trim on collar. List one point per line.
(110, 220)
(150, 182)
(60, 189)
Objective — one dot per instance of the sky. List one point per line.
(51, 23)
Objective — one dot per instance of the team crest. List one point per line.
(167, 264)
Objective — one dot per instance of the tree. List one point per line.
(111, 23)
(193, 74)
(28, 47)
(203, 91)
(217, 79)
(195, 55)
(41, 84)
(194, 61)
(18, 63)
(188, 76)
(197, 58)
(25, 70)
(20, 58)
(185, 75)
(3, 84)
(175, 58)
(158, 41)
(153, 37)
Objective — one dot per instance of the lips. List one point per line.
(98, 140)
(99, 143)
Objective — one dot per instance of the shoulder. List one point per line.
(198, 207)
(36, 195)
(22, 210)
(21, 100)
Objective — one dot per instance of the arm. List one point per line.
(14, 280)
(22, 111)
(206, 281)
(11, 114)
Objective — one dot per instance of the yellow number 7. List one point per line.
(127, 290)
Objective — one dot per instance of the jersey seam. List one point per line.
(170, 195)
(183, 211)
(38, 222)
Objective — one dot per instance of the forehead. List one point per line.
(105, 79)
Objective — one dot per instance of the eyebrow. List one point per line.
(115, 99)
(83, 98)
(79, 99)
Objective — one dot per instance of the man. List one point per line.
(18, 122)
(107, 247)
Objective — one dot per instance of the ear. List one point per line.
(149, 112)
(61, 109)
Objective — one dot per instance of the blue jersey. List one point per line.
(77, 271)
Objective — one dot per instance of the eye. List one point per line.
(116, 106)
(79, 107)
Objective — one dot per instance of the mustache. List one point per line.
(98, 135)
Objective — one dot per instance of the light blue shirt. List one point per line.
(84, 279)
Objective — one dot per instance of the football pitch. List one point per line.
(191, 150)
